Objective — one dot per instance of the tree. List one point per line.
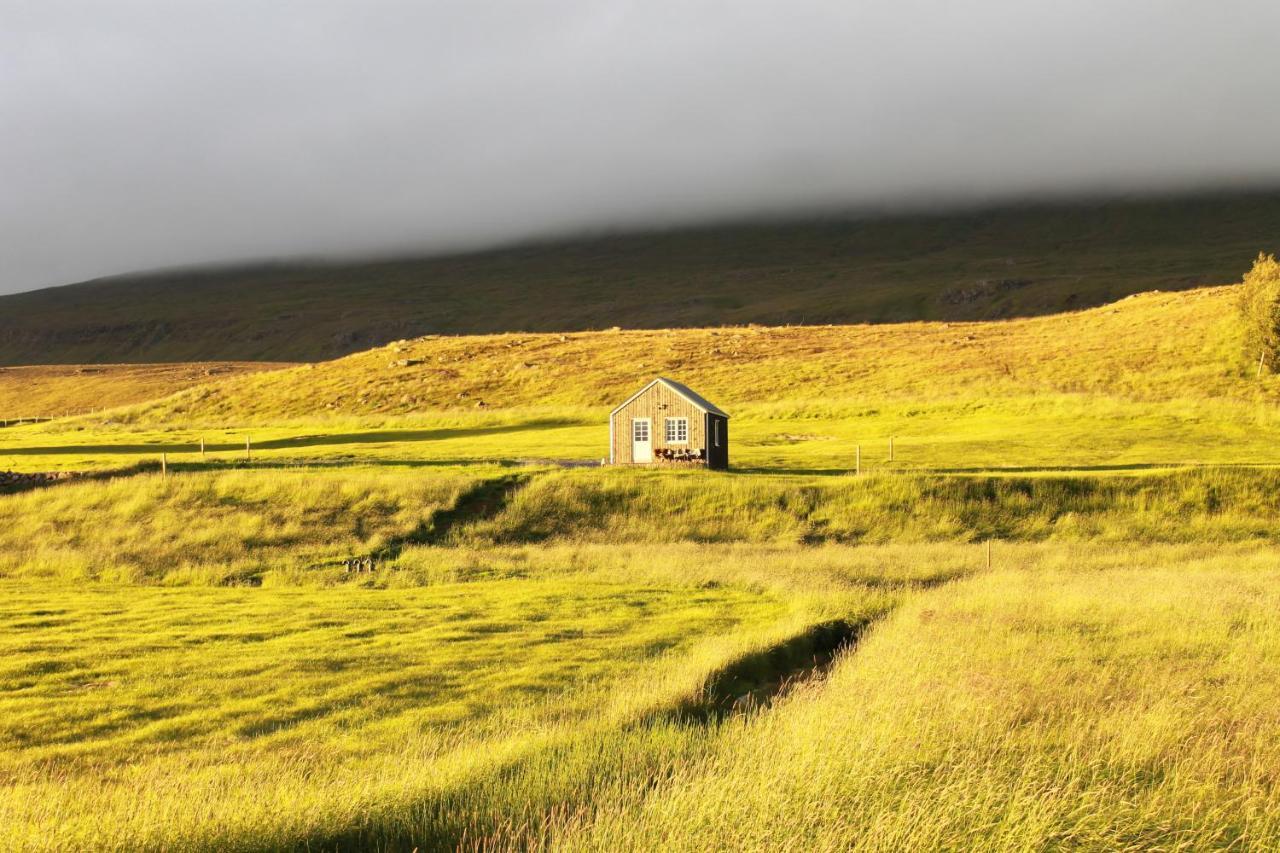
(1260, 309)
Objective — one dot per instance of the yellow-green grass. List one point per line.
(204, 718)
(219, 527)
(297, 526)
(59, 390)
(1065, 432)
(1088, 695)
(1198, 505)
(1069, 699)
(521, 667)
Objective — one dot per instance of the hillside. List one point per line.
(57, 390)
(1156, 346)
(1017, 261)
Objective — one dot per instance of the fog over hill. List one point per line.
(140, 134)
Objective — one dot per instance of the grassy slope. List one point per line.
(57, 390)
(1018, 261)
(1148, 347)
(296, 525)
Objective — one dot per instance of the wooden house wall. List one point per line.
(657, 404)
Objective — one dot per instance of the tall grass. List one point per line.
(1078, 695)
(1223, 504)
(1125, 702)
(222, 527)
(295, 526)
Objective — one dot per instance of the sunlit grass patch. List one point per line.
(1096, 701)
(128, 711)
(227, 526)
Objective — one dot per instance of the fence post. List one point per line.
(1262, 359)
(164, 466)
(202, 448)
(988, 555)
(248, 452)
(857, 459)
(890, 448)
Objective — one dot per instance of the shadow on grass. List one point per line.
(756, 680)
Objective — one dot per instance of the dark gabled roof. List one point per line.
(681, 389)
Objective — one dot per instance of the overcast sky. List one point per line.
(143, 134)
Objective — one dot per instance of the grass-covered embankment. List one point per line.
(295, 525)
(1192, 505)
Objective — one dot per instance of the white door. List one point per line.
(641, 440)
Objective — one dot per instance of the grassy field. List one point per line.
(238, 719)
(1082, 695)
(1049, 621)
(1019, 261)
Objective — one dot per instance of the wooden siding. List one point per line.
(658, 403)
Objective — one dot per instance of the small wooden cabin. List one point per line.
(666, 423)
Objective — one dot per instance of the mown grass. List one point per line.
(201, 719)
(1050, 432)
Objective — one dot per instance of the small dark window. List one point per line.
(717, 431)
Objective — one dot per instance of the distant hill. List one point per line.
(1014, 261)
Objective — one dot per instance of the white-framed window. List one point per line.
(677, 430)
(717, 428)
(640, 430)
